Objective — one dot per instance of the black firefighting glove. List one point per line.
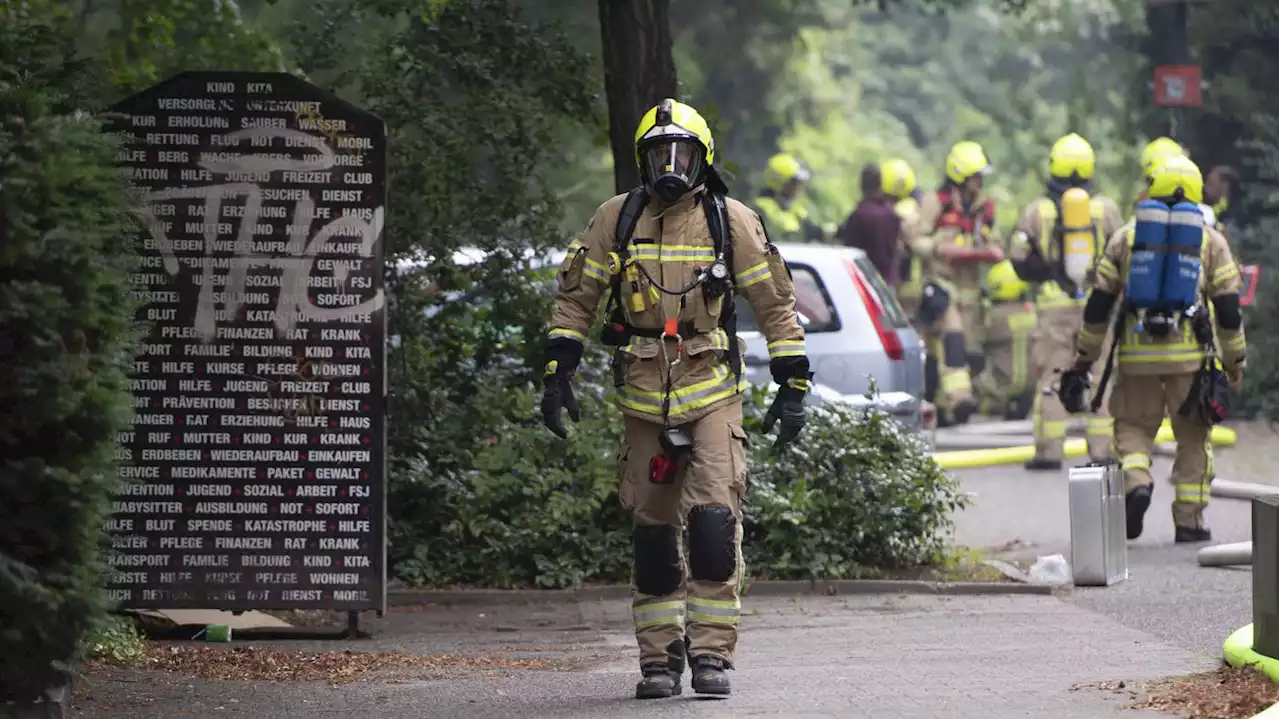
(561, 357)
(1073, 386)
(792, 375)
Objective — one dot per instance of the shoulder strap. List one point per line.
(628, 218)
(713, 205)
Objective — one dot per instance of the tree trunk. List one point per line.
(639, 71)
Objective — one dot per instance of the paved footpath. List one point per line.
(892, 656)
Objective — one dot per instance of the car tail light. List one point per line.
(888, 335)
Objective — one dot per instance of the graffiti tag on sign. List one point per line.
(254, 469)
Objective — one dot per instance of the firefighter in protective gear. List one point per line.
(671, 255)
(783, 205)
(1051, 254)
(898, 182)
(1155, 372)
(1006, 385)
(956, 227)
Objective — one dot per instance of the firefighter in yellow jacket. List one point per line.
(898, 181)
(782, 204)
(671, 255)
(956, 234)
(1006, 385)
(1163, 356)
(1056, 252)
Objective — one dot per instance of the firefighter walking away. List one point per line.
(1059, 238)
(1179, 341)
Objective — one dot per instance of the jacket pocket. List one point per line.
(641, 364)
(569, 276)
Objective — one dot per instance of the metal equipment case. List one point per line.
(1098, 544)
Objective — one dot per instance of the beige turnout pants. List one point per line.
(1054, 350)
(1140, 404)
(674, 592)
(950, 341)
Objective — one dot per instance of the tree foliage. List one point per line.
(66, 225)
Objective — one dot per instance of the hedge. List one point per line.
(66, 310)
(856, 495)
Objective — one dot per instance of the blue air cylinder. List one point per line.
(1146, 259)
(1181, 285)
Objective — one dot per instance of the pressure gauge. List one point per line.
(719, 271)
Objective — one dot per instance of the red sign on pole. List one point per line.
(1249, 275)
(1177, 86)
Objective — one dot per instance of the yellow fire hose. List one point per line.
(1238, 651)
(971, 458)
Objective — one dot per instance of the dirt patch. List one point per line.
(335, 667)
(1226, 693)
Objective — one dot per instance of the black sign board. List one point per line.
(256, 462)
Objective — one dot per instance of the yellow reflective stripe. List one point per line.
(1019, 374)
(1143, 355)
(955, 380)
(1052, 429)
(1224, 273)
(786, 348)
(566, 333)
(1099, 426)
(1090, 336)
(596, 271)
(714, 611)
(1234, 344)
(675, 253)
(1193, 493)
(574, 246)
(1106, 268)
(1135, 461)
(752, 275)
(658, 614)
(683, 400)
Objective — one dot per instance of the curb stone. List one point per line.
(410, 597)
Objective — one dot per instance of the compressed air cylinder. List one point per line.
(1077, 235)
(1181, 285)
(1146, 259)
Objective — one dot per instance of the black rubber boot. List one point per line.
(1043, 465)
(1135, 507)
(709, 676)
(1191, 534)
(662, 681)
(964, 411)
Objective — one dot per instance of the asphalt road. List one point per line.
(1168, 594)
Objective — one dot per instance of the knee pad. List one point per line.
(657, 559)
(1020, 406)
(713, 543)
(977, 362)
(930, 377)
(954, 353)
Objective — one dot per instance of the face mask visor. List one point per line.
(673, 167)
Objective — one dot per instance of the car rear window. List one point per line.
(813, 303)
(888, 300)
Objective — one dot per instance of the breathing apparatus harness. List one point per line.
(716, 283)
(1208, 394)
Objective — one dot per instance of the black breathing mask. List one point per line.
(672, 166)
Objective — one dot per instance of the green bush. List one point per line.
(857, 494)
(66, 310)
(1257, 394)
(115, 639)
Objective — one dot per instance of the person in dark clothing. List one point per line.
(874, 226)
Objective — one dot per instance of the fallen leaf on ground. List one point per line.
(336, 667)
(1227, 693)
